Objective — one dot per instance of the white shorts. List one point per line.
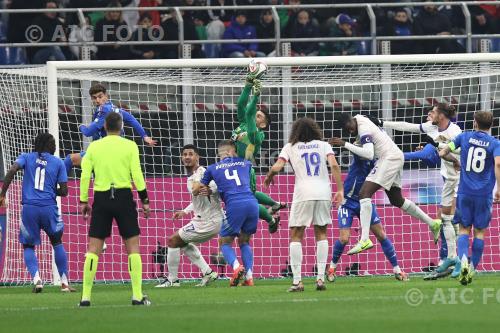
(317, 212)
(449, 192)
(199, 231)
(387, 172)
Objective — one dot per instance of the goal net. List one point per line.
(194, 101)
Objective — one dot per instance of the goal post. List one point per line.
(194, 101)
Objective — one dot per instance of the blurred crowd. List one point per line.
(219, 24)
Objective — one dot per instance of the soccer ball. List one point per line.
(257, 67)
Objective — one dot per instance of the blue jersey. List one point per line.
(232, 176)
(42, 173)
(358, 171)
(477, 157)
(96, 129)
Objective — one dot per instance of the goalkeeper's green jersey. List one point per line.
(247, 146)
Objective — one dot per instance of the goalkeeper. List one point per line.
(248, 138)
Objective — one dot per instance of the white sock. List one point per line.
(64, 279)
(332, 264)
(365, 217)
(36, 278)
(321, 258)
(249, 274)
(455, 226)
(449, 235)
(194, 255)
(413, 210)
(396, 269)
(236, 264)
(173, 259)
(296, 261)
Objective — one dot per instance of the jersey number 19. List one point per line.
(314, 160)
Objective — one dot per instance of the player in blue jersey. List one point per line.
(96, 129)
(480, 171)
(43, 172)
(358, 171)
(232, 176)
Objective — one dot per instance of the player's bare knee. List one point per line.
(478, 233)
(320, 232)
(226, 240)
(175, 241)
(379, 232)
(344, 238)
(296, 234)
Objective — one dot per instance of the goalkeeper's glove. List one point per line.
(257, 87)
(430, 140)
(376, 121)
(250, 78)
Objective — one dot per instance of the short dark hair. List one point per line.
(268, 117)
(226, 143)
(97, 88)
(44, 143)
(305, 130)
(484, 119)
(114, 122)
(190, 146)
(343, 118)
(447, 110)
(239, 13)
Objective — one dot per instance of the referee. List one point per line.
(113, 160)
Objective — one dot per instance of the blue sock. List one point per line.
(228, 253)
(61, 260)
(443, 250)
(68, 164)
(338, 249)
(463, 246)
(31, 261)
(247, 256)
(389, 251)
(477, 251)
(428, 155)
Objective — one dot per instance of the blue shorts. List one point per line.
(241, 216)
(36, 218)
(474, 211)
(346, 214)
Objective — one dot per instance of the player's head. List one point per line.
(483, 120)
(305, 130)
(441, 112)
(98, 94)
(113, 123)
(190, 156)
(347, 123)
(226, 148)
(262, 119)
(45, 143)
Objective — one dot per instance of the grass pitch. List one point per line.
(370, 304)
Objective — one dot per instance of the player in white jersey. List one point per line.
(387, 173)
(442, 131)
(205, 225)
(312, 196)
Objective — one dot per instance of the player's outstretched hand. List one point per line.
(85, 210)
(338, 199)
(337, 142)
(269, 180)
(150, 141)
(145, 210)
(179, 214)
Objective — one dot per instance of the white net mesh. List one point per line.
(160, 99)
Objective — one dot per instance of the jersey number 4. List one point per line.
(476, 158)
(234, 176)
(314, 160)
(39, 178)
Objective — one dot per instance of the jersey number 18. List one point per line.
(476, 157)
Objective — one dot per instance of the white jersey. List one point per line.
(383, 145)
(205, 208)
(308, 160)
(443, 138)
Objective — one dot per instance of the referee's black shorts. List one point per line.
(122, 208)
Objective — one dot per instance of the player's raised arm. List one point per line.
(130, 120)
(366, 151)
(93, 128)
(275, 169)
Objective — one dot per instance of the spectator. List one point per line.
(292, 17)
(239, 29)
(82, 34)
(52, 30)
(111, 28)
(482, 22)
(18, 23)
(219, 19)
(431, 22)
(282, 13)
(145, 33)
(265, 30)
(344, 27)
(130, 17)
(401, 26)
(171, 28)
(304, 28)
(195, 15)
(155, 14)
(253, 16)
